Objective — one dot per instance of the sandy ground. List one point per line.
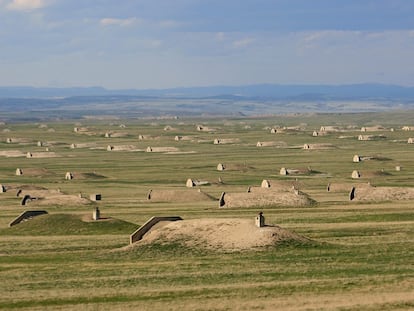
(220, 234)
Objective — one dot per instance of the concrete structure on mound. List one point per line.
(141, 231)
(72, 146)
(221, 200)
(2, 188)
(265, 183)
(365, 137)
(410, 140)
(109, 148)
(149, 149)
(149, 194)
(355, 174)
(9, 140)
(352, 194)
(96, 214)
(398, 168)
(370, 137)
(95, 197)
(190, 183)
(221, 167)
(68, 176)
(39, 144)
(108, 135)
(193, 183)
(260, 220)
(27, 198)
(283, 171)
(178, 138)
(217, 141)
(26, 215)
(19, 172)
(29, 155)
(356, 158)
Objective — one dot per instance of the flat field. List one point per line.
(360, 255)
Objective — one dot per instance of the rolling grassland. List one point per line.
(354, 255)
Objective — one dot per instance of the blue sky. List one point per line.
(171, 43)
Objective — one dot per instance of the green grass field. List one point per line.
(361, 257)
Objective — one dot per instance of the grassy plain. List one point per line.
(362, 258)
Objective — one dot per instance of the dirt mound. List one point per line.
(369, 193)
(318, 146)
(186, 195)
(16, 140)
(220, 234)
(87, 175)
(224, 141)
(117, 134)
(82, 145)
(37, 172)
(123, 148)
(278, 144)
(163, 149)
(27, 187)
(42, 155)
(42, 197)
(12, 153)
(266, 197)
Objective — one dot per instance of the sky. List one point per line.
(157, 44)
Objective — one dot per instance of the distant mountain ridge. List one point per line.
(262, 91)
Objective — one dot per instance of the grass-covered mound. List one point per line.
(68, 224)
(220, 234)
(266, 197)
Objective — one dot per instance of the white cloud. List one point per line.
(26, 5)
(118, 21)
(242, 42)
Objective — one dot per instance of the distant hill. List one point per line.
(34, 104)
(263, 91)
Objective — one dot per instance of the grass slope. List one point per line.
(66, 224)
